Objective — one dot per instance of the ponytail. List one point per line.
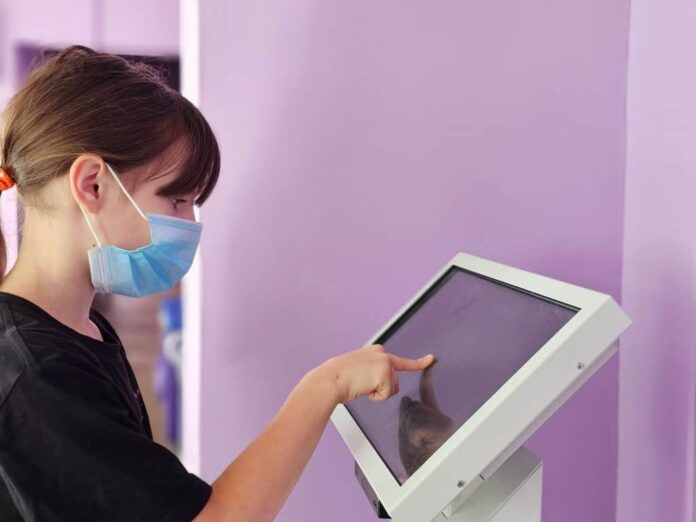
(6, 182)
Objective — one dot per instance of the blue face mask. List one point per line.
(149, 269)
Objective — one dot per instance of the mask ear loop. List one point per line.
(89, 224)
(118, 180)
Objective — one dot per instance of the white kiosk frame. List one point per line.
(451, 484)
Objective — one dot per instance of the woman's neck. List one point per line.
(58, 283)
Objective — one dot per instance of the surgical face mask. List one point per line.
(149, 269)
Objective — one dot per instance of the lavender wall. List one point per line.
(363, 145)
(658, 359)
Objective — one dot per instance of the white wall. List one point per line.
(657, 407)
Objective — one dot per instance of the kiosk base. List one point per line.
(511, 494)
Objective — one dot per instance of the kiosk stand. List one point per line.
(511, 494)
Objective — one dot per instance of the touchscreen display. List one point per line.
(481, 332)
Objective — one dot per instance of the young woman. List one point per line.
(108, 162)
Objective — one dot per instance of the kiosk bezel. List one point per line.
(502, 424)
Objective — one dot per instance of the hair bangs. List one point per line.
(199, 158)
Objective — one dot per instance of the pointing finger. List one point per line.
(403, 364)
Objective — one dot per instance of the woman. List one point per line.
(108, 162)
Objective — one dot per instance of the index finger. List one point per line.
(403, 364)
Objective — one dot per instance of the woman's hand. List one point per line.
(368, 371)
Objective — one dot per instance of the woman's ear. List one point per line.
(86, 181)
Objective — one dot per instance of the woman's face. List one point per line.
(114, 217)
(130, 230)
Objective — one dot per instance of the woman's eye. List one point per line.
(176, 201)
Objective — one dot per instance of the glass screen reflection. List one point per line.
(481, 333)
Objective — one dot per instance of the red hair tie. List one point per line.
(6, 180)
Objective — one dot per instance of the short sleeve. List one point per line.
(70, 449)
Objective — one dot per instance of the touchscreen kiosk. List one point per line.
(510, 347)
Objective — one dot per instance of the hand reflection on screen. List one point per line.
(423, 428)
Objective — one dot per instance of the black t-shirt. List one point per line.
(75, 437)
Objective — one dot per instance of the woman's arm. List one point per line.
(257, 483)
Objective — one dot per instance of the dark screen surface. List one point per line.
(481, 332)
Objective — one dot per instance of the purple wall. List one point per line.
(658, 359)
(366, 143)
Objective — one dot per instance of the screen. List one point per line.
(481, 332)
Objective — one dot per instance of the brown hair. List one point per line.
(81, 100)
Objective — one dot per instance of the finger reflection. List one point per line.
(423, 428)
